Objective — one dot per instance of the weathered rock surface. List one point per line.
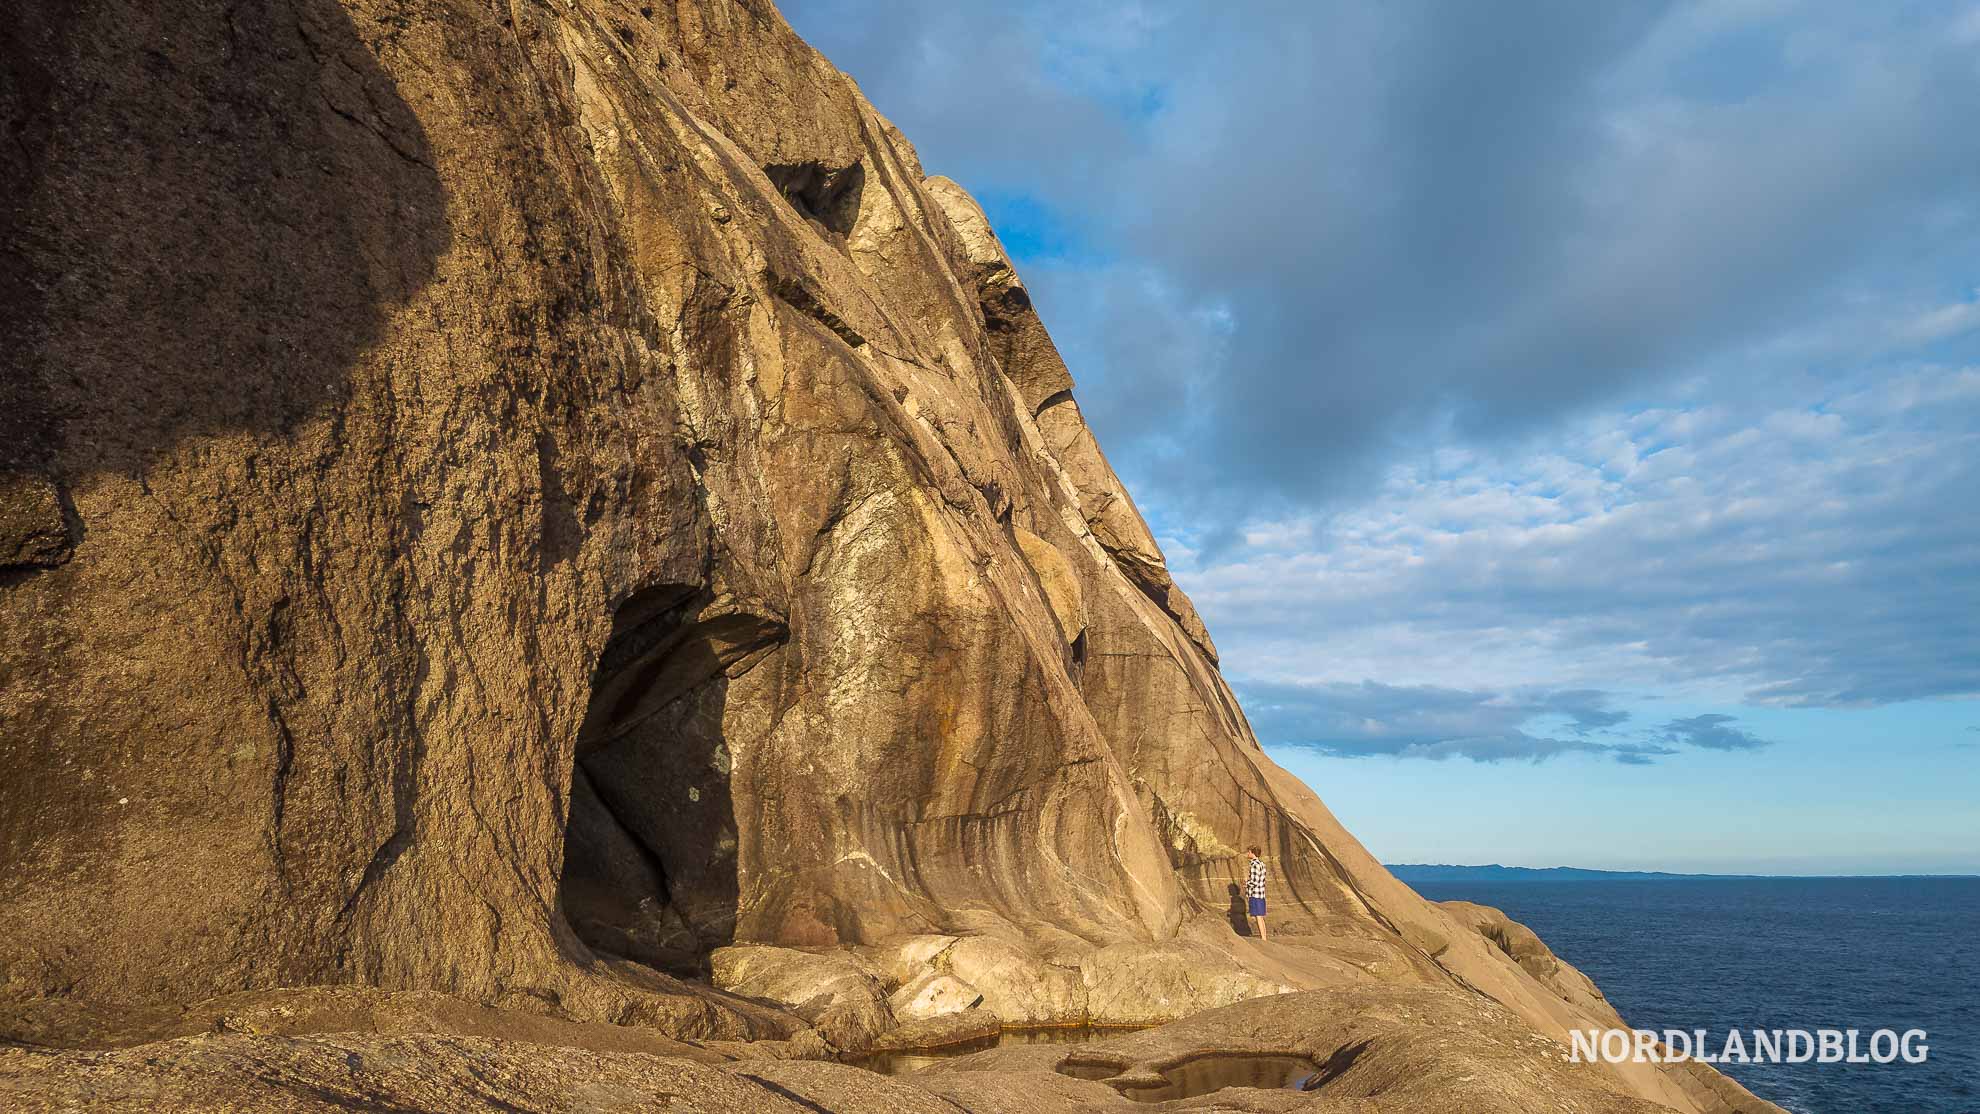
(1523, 947)
(511, 501)
(343, 1072)
(1376, 1051)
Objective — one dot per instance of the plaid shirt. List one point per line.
(1254, 882)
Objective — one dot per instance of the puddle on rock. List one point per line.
(1206, 1074)
(915, 1059)
(1095, 1072)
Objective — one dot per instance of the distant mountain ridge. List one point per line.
(1493, 872)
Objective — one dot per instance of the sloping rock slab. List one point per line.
(343, 1072)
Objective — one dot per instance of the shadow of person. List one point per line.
(1240, 924)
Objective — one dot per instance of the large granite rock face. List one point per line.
(515, 500)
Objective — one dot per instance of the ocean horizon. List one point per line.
(1409, 872)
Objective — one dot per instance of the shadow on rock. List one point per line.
(209, 215)
(209, 211)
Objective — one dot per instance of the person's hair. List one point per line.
(1254, 849)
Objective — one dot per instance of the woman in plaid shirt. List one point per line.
(1254, 888)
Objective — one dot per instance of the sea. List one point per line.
(1780, 953)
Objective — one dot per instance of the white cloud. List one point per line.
(1938, 324)
(1371, 719)
(1814, 552)
(1339, 232)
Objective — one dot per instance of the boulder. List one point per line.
(1017, 984)
(898, 960)
(932, 994)
(948, 1029)
(836, 995)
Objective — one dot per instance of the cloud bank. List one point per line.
(1377, 223)
(1370, 719)
(1811, 553)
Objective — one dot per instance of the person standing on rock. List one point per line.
(1254, 889)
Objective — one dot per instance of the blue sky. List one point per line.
(1566, 416)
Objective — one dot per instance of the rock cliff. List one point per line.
(547, 504)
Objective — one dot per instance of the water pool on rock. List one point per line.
(1201, 1076)
(909, 1060)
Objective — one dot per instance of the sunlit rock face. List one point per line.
(522, 501)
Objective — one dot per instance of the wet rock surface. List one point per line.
(548, 506)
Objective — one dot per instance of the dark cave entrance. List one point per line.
(650, 847)
(828, 195)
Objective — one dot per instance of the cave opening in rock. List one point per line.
(650, 846)
(828, 195)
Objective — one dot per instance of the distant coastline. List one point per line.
(1493, 872)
